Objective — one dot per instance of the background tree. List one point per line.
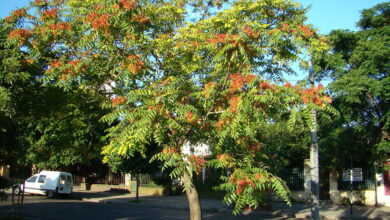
(178, 82)
(358, 65)
(44, 126)
(136, 164)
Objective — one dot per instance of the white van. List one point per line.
(48, 183)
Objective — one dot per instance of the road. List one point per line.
(39, 207)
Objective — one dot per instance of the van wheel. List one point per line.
(50, 194)
(16, 190)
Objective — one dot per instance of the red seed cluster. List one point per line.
(312, 95)
(98, 21)
(198, 162)
(306, 30)
(250, 33)
(118, 100)
(222, 38)
(128, 4)
(21, 34)
(237, 81)
(60, 26)
(141, 20)
(169, 150)
(50, 14)
(234, 104)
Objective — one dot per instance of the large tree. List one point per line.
(44, 126)
(182, 72)
(358, 65)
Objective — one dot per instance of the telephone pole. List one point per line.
(314, 163)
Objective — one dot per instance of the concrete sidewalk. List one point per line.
(298, 210)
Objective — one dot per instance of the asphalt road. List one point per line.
(39, 207)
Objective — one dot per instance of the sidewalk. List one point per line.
(298, 210)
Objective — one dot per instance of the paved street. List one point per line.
(38, 207)
(107, 205)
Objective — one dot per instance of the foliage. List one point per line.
(175, 77)
(44, 126)
(358, 64)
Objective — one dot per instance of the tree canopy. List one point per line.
(358, 65)
(182, 72)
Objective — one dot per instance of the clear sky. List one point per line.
(325, 15)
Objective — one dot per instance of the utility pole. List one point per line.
(314, 163)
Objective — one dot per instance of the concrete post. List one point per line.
(333, 187)
(306, 174)
(128, 181)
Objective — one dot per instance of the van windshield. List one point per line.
(32, 179)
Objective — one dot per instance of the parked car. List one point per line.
(49, 183)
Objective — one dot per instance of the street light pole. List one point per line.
(314, 163)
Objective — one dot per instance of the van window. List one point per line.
(68, 180)
(62, 179)
(42, 179)
(32, 179)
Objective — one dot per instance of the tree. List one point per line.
(44, 126)
(358, 64)
(135, 163)
(180, 77)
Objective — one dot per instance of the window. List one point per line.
(42, 179)
(62, 179)
(68, 180)
(32, 179)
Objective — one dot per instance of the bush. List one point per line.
(5, 183)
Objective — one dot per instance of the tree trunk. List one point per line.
(193, 198)
(137, 187)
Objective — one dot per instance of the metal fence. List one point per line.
(294, 178)
(368, 182)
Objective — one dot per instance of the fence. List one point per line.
(368, 182)
(294, 178)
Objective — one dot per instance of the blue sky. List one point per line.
(325, 15)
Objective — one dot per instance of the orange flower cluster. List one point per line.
(237, 81)
(254, 147)
(50, 14)
(60, 26)
(141, 20)
(312, 95)
(225, 158)
(118, 100)
(259, 176)
(74, 62)
(134, 64)
(242, 183)
(98, 22)
(219, 124)
(128, 4)
(198, 162)
(222, 38)
(40, 2)
(21, 34)
(17, 14)
(190, 117)
(265, 85)
(250, 33)
(169, 150)
(306, 30)
(207, 89)
(287, 85)
(284, 27)
(234, 103)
